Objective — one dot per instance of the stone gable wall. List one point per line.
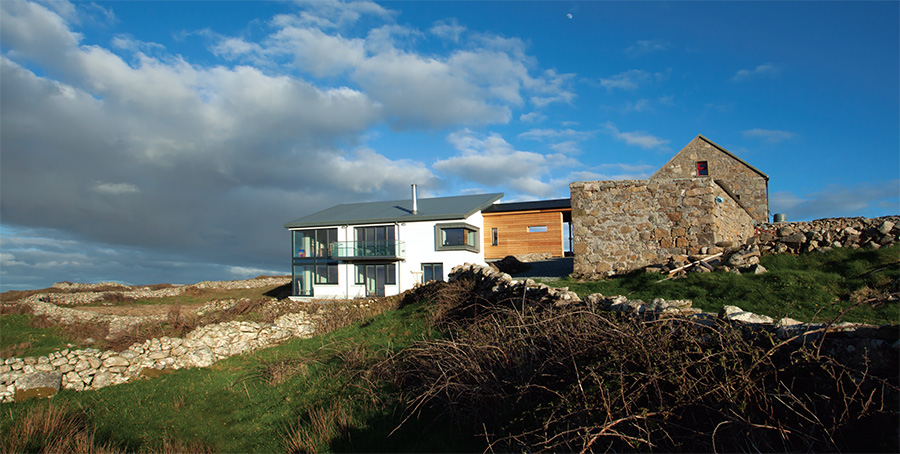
(749, 186)
(619, 226)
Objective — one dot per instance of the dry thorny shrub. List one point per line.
(577, 380)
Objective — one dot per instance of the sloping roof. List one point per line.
(555, 204)
(429, 209)
(733, 156)
(700, 136)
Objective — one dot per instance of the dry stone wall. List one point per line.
(824, 234)
(848, 341)
(87, 369)
(619, 226)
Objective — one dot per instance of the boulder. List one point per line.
(38, 384)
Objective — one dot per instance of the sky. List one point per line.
(151, 141)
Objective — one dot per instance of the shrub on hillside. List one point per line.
(532, 378)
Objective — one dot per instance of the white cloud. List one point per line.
(449, 30)
(635, 138)
(569, 147)
(766, 70)
(768, 135)
(543, 134)
(116, 188)
(632, 79)
(648, 46)
(491, 161)
(615, 171)
(532, 117)
(151, 151)
(641, 105)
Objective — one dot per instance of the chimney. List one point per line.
(415, 207)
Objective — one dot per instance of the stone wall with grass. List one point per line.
(619, 226)
(91, 368)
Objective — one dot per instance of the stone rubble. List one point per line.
(788, 238)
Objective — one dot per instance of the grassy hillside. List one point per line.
(446, 371)
(816, 287)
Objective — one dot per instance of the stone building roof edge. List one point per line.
(701, 136)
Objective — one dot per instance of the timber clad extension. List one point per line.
(526, 228)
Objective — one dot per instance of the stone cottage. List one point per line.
(703, 196)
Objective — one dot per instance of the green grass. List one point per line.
(241, 405)
(19, 338)
(809, 287)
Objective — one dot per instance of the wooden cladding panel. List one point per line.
(515, 238)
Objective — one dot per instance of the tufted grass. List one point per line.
(20, 337)
(812, 287)
(302, 396)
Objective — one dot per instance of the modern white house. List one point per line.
(385, 248)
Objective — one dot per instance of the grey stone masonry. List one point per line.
(747, 185)
(619, 226)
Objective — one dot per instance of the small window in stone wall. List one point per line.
(702, 168)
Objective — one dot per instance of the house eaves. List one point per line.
(428, 209)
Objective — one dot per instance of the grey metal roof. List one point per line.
(429, 209)
(555, 204)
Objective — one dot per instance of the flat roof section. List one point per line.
(555, 204)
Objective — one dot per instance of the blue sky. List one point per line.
(147, 142)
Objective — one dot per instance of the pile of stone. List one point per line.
(786, 238)
(882, 343)
(826, 234)
(497, 285)
(92, 369)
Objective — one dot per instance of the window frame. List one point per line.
(495, 236)
(360, 275)
(702, 168)
(537, 229)
(431, 267)
(472, 246)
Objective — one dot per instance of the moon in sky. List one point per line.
(569, 15)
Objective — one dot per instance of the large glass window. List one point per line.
(327, 273)
(432, 272)
(365, 273)
(302, 280)
(456, 237)
(313, 243)
(376, 241)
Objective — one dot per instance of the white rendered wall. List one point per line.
(418, 238)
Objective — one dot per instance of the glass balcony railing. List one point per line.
(368, 249)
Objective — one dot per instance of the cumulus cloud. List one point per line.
(449, 30)
(491, 161)
(203, 163)
(636, 138)
(765, 70)
(768, 135)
